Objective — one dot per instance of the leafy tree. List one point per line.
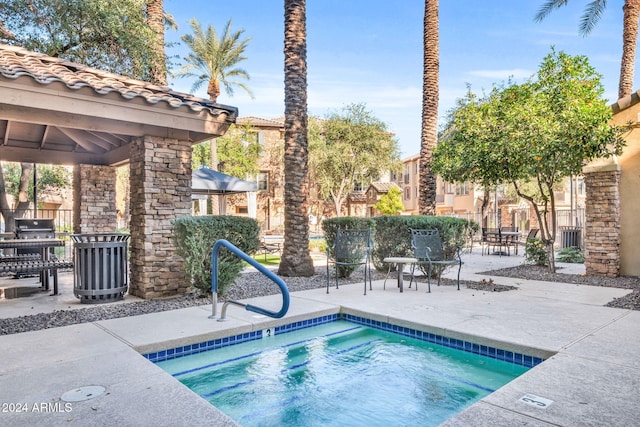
(349, 147)
(430, 99)
(542, 131)
(214, 59)
(391, 202)
(16, 179)
(591, 16)
(296, 260)
(238, 152)
(112, 36)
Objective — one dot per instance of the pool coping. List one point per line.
(498, 353)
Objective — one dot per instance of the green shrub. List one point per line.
(570, 254)
(393, 237)
(330, 227)
(318, 245)
(535, 252)
(194, 237)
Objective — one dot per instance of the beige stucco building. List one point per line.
(613, 234)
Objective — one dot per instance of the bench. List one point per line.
(29, 264)
(268, 248)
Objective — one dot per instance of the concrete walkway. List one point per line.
(591, 375)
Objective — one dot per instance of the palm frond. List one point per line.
(591, 16)
(548, 7)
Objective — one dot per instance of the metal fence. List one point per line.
(570, 223)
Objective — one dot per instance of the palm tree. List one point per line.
(214, 59)
(155, 20)
(295, 260)
(430, 95)
(591, 16)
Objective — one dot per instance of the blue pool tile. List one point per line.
(471, 347)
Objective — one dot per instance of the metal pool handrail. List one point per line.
(270, 275)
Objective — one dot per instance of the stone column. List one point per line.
(160, 178)
(602, 238)
(94, 199)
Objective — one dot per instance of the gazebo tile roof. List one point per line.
(16, 62)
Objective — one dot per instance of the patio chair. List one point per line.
(491, 239)
(429, 250)
(510, 241)
(350, 249)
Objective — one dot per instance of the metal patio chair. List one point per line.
(351, 248)
(429, 250)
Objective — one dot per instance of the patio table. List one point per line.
(400, 262)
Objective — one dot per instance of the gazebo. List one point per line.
(57, 112)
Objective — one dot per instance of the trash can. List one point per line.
(570, 237)
(100, 267)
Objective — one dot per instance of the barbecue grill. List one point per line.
(36, 228)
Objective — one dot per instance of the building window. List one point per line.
(407, 193)
(263, 181)
(462, 189)
(253, 137)
(448, 188)
(242, 210)
(580, 189)
(357, 186)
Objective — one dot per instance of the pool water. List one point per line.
(340, 374)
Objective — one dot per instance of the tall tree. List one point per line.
(296, 260)
(91, 32)
(540, 131)
(155, 20)
(351, 146)
(430, 96)
(215, 59)
(591, 16)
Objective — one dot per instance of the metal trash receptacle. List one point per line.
(100, 267)
(571, 237)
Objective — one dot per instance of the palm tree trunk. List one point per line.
(430, 95)
(155, 20)
(631, 11)
(295, 260)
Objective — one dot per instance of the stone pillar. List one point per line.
(160, 182)
(94, 199)
(602, 238)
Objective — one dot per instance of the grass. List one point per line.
(268, 259)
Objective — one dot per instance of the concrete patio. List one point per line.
(591, 377)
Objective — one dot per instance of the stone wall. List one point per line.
(94, 200)
(602, 238)
(160, 182)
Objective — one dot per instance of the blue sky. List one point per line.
(364, 51)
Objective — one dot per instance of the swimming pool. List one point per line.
(342, 373)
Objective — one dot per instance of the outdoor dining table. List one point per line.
(44, 245)
(504, 237)
(400, 263)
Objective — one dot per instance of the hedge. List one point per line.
(393, 238)
(194, 237)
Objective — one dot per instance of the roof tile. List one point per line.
(17, 62)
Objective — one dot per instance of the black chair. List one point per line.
(351, 248)
(491, 239)
(429, 251)
(510, 241)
